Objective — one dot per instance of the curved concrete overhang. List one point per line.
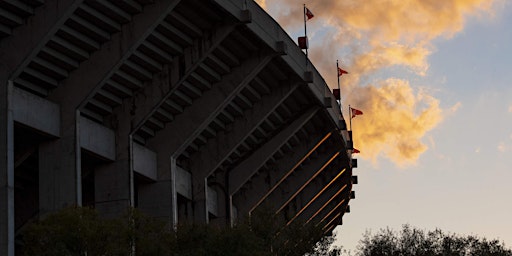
(213, 90)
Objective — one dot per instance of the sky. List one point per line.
(434, 80)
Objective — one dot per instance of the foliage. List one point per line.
(417, 242)
(81, 231)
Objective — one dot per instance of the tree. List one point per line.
(81, 231)
(417, 242)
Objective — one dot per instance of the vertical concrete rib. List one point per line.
(6, 171)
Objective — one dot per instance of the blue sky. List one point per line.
(459, 177)
(462, 183)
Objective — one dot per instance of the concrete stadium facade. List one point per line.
(198, 110)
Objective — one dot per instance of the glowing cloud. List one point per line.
(370, 37)
(395, 119)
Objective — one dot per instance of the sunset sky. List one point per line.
(433, 79)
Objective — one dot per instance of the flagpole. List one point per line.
(306, 34)
(339, 90)
(350, 114)
(337, 71)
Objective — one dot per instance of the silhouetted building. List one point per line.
(189, 110)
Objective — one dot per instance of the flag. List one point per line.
(356, 112)
(355, 151)
(341, 72)
(309, 14)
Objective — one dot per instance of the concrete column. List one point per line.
(6, 171)
(59, 165)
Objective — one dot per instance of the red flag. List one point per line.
(341, 72)
(355, 151)
(309, 14)
(356, 112)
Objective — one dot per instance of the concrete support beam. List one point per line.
(36, 112)
(302, 179)
(84, 81)
(335, 203)
(254, 197)
(97, 139)
(32, 36)
(178, 73)
(338, 208)
(6, 171)
(246, 169)
(324, 200)
(144, 162)
(312, 193)
(188, 125)
(267, 30)
(184, 183)
(208, 160)
(181, 132)
(113, 181)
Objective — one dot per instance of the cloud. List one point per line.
(502, 147)
(262, 3)
(394, 121)
(373, 38)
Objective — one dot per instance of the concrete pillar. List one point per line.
(6, 171)
(59, 165)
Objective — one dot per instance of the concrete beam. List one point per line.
(324, 200)
(311, 195)
(334, 204)
(240, 174)
(97, 139)
(253, 198)
(177, 75)
(302, 179)
(339, 208)
(32, 36)
(184, 183)
(211, 157)
(36, 112)
(144, 162)
(85, 81)
(188, 125)
(269, 31)
(114, 188)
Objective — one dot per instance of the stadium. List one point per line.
(197, 110)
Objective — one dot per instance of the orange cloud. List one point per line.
(395, 120)
(371, 36)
